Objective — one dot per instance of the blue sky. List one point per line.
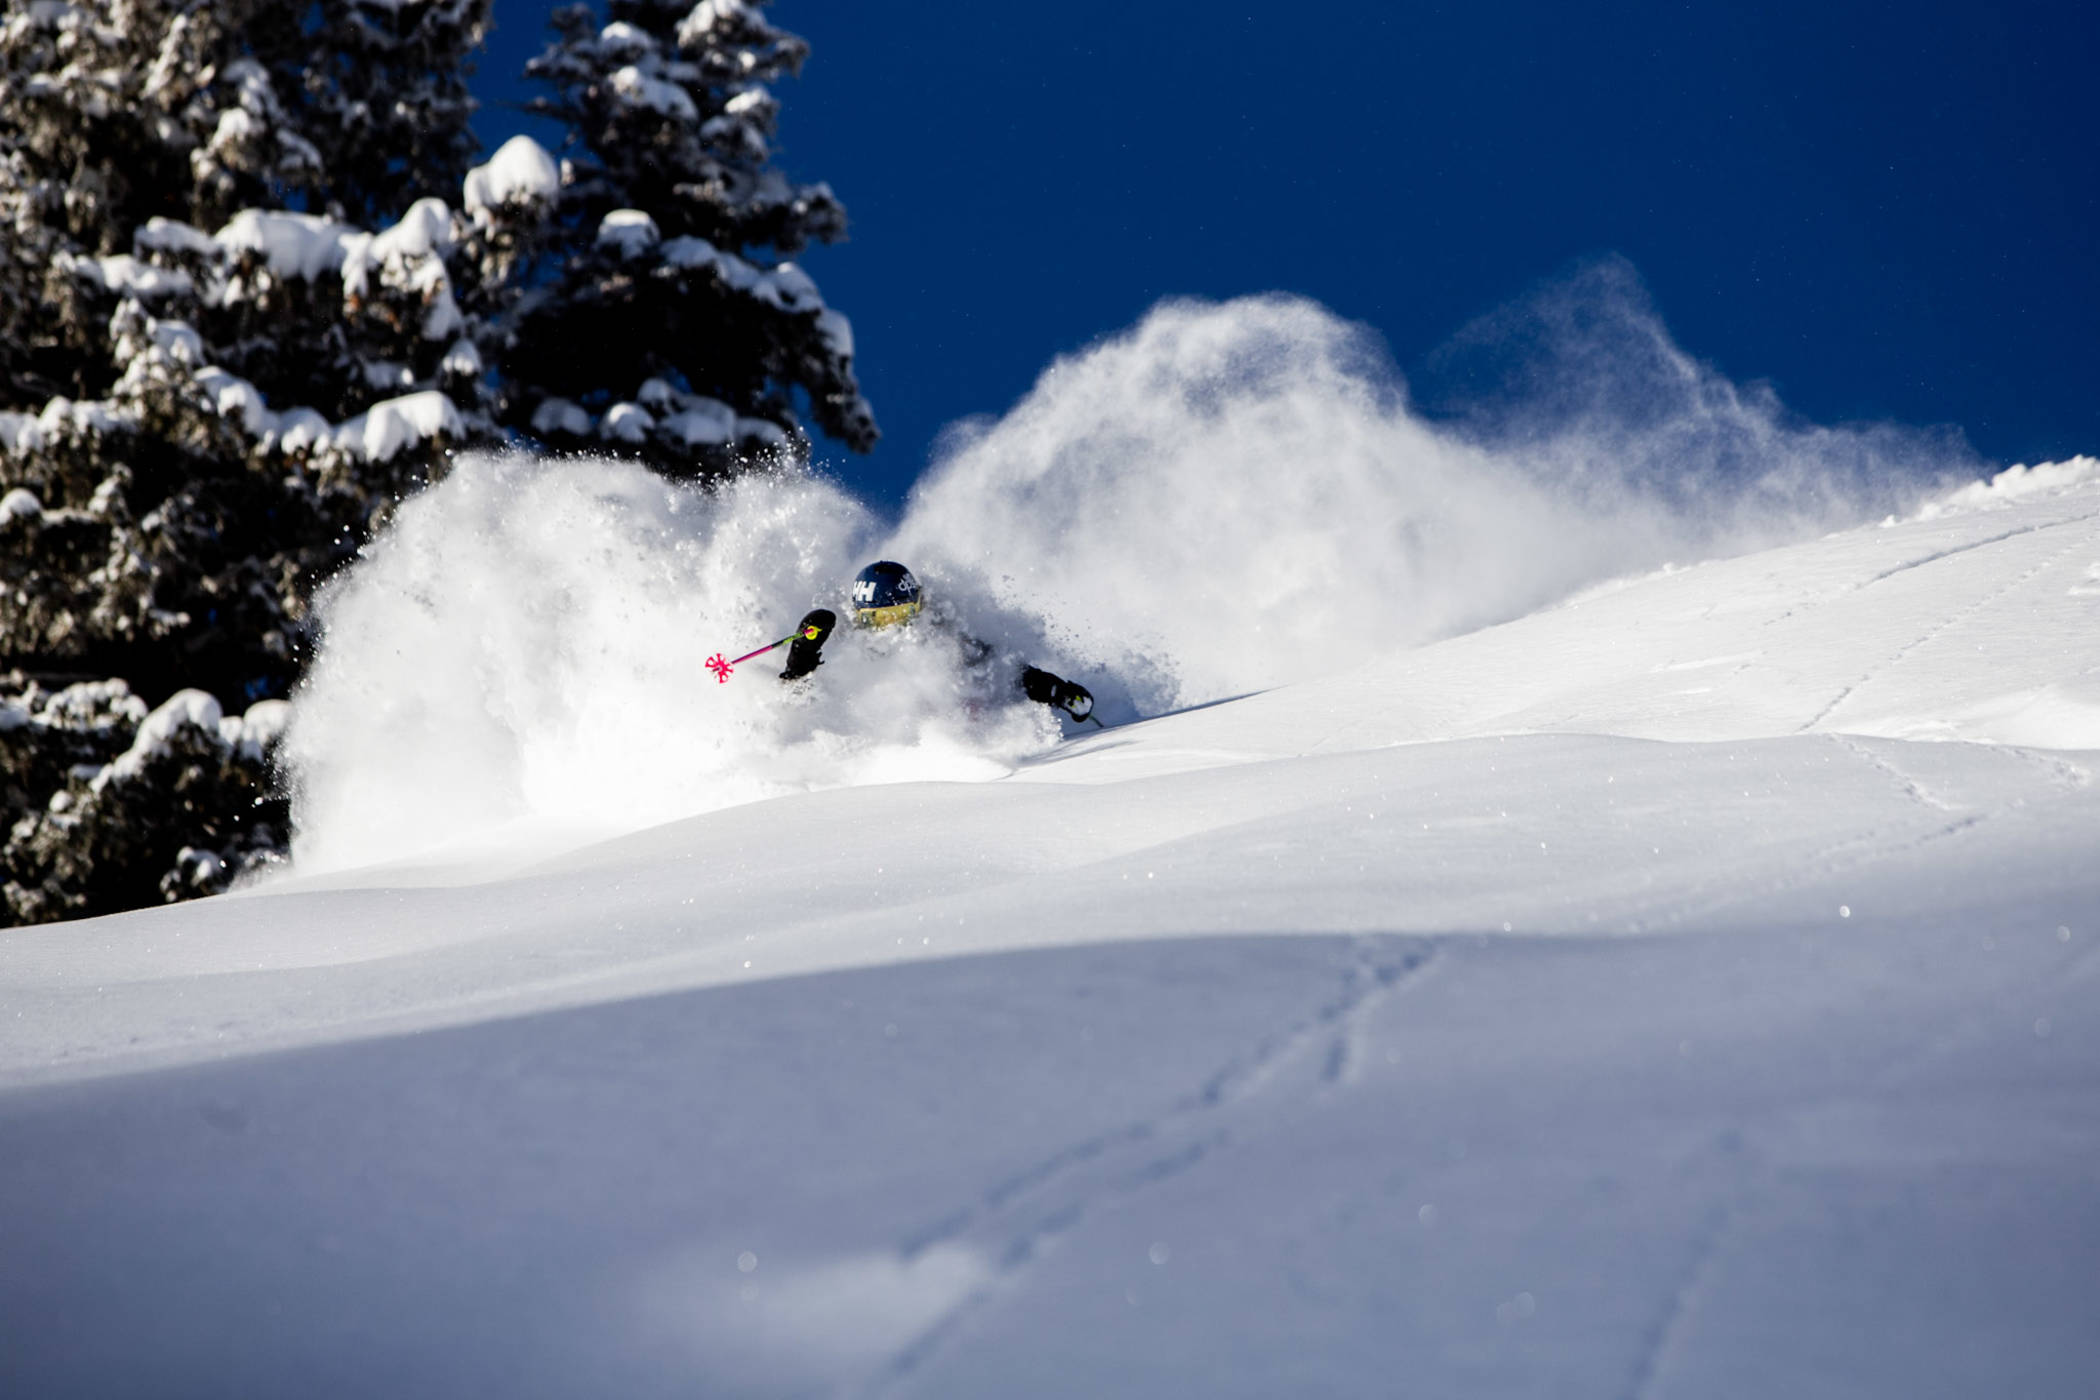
(1889, 211)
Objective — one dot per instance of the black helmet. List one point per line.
(885, 593)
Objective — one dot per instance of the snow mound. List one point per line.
(292, 244)
(521, 172)
(185, 709)
(630, 231)
(392, 424)
(2014, 485)
(637, 88)
(20, 504)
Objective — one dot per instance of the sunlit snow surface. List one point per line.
(1689, 989)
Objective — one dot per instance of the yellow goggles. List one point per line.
(894, 615)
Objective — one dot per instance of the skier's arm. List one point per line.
(806, 653)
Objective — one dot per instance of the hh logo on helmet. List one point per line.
(864, 590)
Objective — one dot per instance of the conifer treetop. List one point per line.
(669, 107)
(676, 329)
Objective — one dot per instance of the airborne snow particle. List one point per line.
(1516, 1309)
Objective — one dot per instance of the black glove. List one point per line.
(806, 653)
(1059, 694)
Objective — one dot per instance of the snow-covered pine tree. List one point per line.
(208, 399)
(381, 86)
(677, 332)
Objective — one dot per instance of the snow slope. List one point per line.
(1691, 989)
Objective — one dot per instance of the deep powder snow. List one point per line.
(1225, 498)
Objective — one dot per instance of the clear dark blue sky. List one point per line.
(1889, 210)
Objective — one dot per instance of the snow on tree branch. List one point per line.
(675, 240)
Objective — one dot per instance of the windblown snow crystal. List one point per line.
(1226, 497)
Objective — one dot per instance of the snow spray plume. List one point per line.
(1232, 495)
(1224, 498)
(1581, 380)
(524, 652)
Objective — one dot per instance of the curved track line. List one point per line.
(1959, 615)
(1033, 1208)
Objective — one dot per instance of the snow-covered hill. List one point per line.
(1689, 989)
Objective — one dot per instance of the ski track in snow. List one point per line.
(1682, 1306)
(1041, 1203)
(1912, 787)
(1972, 545)
(2061, 771)
(1840, 859)
(1959, 615)
(1932, 557)
(1703, 898)
(2066, 776)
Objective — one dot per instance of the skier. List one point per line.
(886, 595)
